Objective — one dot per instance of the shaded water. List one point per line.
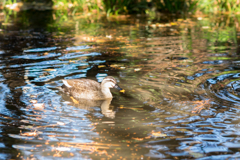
(181, 81)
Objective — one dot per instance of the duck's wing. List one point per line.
(82, 84)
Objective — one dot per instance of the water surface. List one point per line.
(181, 80)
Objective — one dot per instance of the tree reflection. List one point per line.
(26, 31)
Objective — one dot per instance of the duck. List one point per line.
(90, 89)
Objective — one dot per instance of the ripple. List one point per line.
(77, 48)
(40, 49)
(34, 56)
(224, 87)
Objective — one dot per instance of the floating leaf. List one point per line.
(62, 149)
(101, 66)
(158, 134)
(30, 134)
(38, 106)
(109, 36)
(24, 121)
(108, 122)
(49, 69)
(60, 123)
(196, 155)
(137, 69)
(173, 24)
(205, 27)
(57, 155)
(33, 101)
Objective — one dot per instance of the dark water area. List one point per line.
(181, 81)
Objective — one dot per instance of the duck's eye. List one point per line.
(113, 85)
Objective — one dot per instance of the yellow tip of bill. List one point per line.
(123, 91)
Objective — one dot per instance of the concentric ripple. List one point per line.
(224, 87)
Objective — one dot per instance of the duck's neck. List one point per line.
(106, 92)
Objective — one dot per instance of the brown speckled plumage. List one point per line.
(90, 89)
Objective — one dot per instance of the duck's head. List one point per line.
(110, 82)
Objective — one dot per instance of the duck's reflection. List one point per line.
(106, 108)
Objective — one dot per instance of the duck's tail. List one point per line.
(65, 87)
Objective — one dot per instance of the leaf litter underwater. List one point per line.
(181, 97)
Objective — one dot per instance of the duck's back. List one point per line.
(84, 84)
(83, 88)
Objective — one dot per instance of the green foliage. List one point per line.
(75, 6)
(6, 2)
(219, 6)
(124, 6)
(149, 6)
(115, 7)
(176, 6)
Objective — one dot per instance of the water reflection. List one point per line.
(167, 72)
(106, 108)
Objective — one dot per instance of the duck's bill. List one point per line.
(120, 89)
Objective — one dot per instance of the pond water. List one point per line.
(180, 78)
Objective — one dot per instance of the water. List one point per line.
(181, 81)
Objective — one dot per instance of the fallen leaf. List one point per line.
(108, 36)
(49, 69)
(205, 27)
(33, 101)
(62, 149)
(101, 66)
(158, 134)
(173, 24)
(24, 121)
(139, 139)
(60, 123)
(196, 155)
(29, 134)
(137, 69)
(57, 155)
(108, 122)
(38, 106)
